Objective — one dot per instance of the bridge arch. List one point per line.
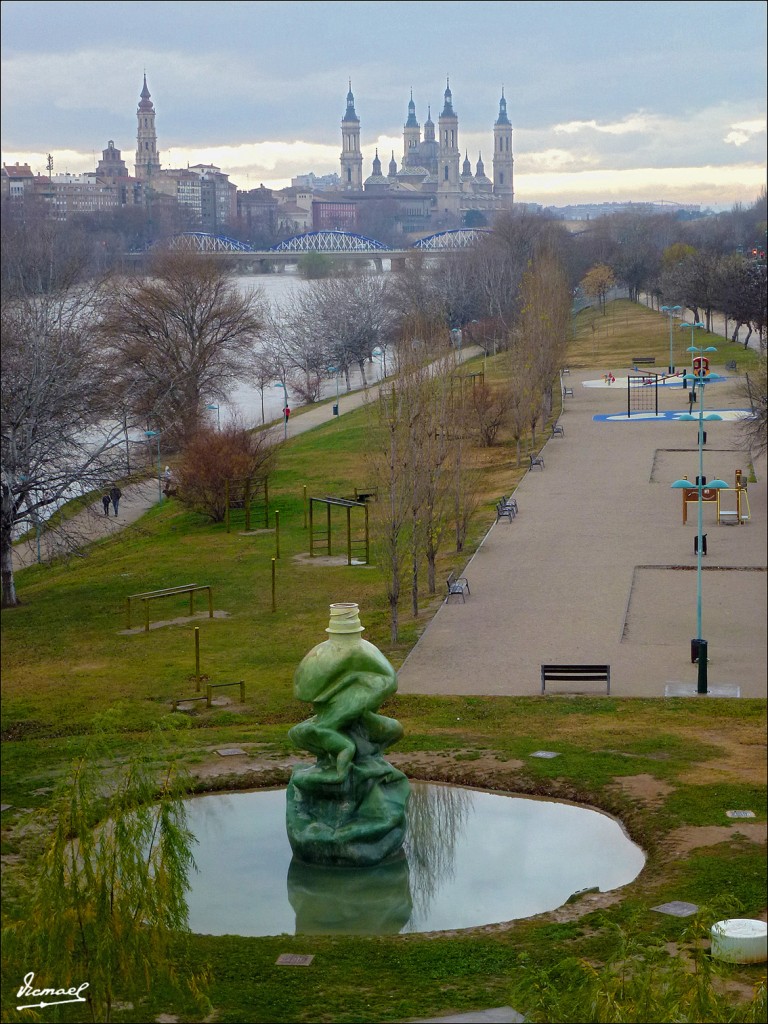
(330, 241)
(200, 241)
(456, 238)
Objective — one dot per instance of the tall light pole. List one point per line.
(150, 434)
(693, 327)
(279, 384)
(670, 311)
(699, 645)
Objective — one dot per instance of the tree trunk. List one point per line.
(9, 599)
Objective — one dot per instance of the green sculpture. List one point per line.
(348, 808)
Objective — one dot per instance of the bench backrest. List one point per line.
(576, 674)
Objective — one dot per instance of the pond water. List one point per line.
(471, 858)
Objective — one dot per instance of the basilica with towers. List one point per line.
(431, 164)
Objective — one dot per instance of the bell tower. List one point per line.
(503, 161)
(147, 159)
(448, 185)
(351, 156)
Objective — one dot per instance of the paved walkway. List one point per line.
(598, 567)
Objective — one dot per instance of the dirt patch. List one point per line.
(645, 788)
(320, 560)
(683, 840)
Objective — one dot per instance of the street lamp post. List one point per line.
(699, 644)
(150, 434)
(670, 311)
(213, 406)
(693, 327)
(279, 384)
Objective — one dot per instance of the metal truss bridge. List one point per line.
(330, 242)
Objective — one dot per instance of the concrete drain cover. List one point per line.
(294, 960)
(677, 908)
(230, 751)
(544, 753)
(739, 814)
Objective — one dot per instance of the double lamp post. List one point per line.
(699, 376)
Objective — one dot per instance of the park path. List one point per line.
(599, 568)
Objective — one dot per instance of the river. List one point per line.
(246, 400)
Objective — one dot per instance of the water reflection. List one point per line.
(437, 819)
(350, 901)
(471, 858)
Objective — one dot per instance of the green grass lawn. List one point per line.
(69, 669)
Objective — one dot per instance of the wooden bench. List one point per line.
(558, 429)
(152, 595)
(643, 360)
(537, 460)
(457, 586)
(576, 674)
(567, 392)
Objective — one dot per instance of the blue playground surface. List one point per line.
(670, 414)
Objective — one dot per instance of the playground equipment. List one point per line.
(242, 493)
(643, 393)
(323, 533)
(741, 513)
(708, 494)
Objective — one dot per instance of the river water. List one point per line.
(246, 399)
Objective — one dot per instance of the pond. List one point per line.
(471, 858)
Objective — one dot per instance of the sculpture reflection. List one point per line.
(348, 809)
(350, 901)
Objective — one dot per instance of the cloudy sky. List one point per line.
(609, 101)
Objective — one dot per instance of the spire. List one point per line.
(377, 164)
(350, 114)
(145, 102)
(392, 165)
(448, 110)
(411, 122)
(466, 169)
(480, 166)
(502, 119)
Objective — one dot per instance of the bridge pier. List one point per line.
(397, 263)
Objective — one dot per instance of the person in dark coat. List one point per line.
(115, 494)
(105, 500)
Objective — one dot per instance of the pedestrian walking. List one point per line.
(115, 494)
(105, 500)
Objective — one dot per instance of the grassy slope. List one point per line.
(66, 662)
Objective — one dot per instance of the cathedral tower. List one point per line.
(411, 133)
(502, 154)
(448, 184)
(147, 159)
(351, 157)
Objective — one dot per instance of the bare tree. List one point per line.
(179, 338)
(214, 459)
(60, 438)
(754, 429)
